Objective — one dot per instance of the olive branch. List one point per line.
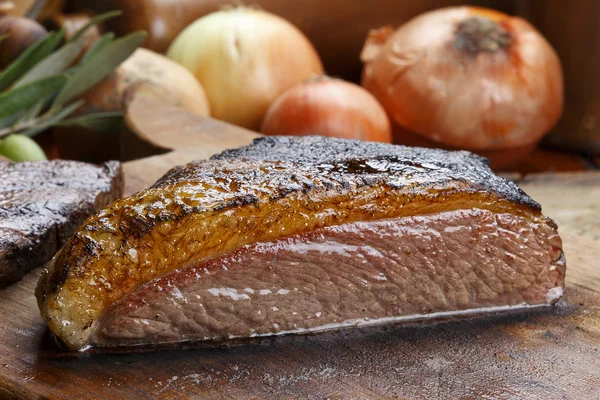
(39, 89)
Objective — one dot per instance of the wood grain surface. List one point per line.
(550, 354)
(177, 137)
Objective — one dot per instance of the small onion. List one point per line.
(244, 59)
(466, 77)
(328, 107)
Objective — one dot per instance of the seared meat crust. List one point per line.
(41, 205)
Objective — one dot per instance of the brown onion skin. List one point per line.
(492, 100)
(21, 33)
(328, 107)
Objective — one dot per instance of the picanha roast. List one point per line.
(296, 235)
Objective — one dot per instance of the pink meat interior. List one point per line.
(401, 268)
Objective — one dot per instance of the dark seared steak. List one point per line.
(41, 205)
(302, 234)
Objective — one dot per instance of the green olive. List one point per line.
(21, 148)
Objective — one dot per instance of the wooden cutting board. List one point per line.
(551, 354)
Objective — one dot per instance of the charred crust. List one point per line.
(44, 202)
(351, 160)
(90, 248)
(550, 222)
(137, 225)
(237, 202)
(58, 277)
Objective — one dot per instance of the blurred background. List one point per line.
(567, 139)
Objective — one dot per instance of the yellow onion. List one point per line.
(328, 107)
(466, 77)
(244, 59)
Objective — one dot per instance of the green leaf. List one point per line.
(101, 122)
(99, 66)
(51, 119)
(55, 63)
(11, 119)
(71, 70)
(31, 112)
(29, 58)
(97, 46)
(93, 21)
(28, 95)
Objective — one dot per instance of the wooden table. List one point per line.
(550, 354)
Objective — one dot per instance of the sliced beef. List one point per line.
(352, 274)
(348, 229)
(41, 205)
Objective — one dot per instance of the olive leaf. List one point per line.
(31, 113)
(29, 58)
(51, 119)
(101, 122)
(28, 95)
(99, 66)
(54, 64)
(11, 119)
(38, 88)
(93, 21)
(97, 46)
(58, 61)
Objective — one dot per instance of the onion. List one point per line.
(328, 107)
(20, 34)
(244, 58)
(466, 77)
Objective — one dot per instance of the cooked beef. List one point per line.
(41, 205)
(351, 274)
(296, 234)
